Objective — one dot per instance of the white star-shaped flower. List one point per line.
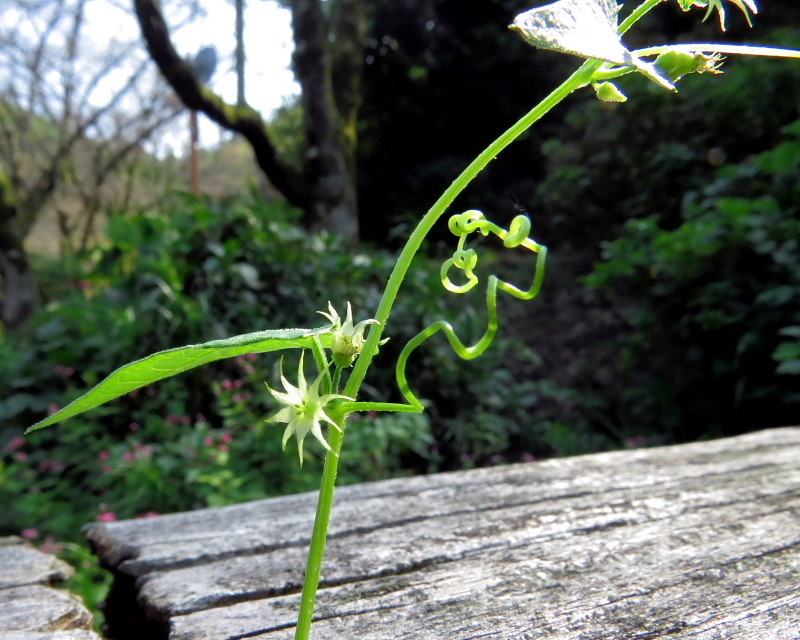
(303, 409)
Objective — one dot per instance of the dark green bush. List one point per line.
(714, 303)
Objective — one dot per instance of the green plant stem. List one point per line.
(637, 15)
(580, 78)
(317, 549)
(337, 376)
(319, 536)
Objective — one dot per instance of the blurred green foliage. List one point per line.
(714, 303)
(203, 271)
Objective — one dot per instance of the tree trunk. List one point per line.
(193, 94)
(17, 285)
(347, 57)
(331, 187)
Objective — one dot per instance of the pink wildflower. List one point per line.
(227, 385)
(106, 516)
(134, 426)
(185, 419)
(127, 456)
(209, 441)
(21, 456)
(53, 408)
(200, 418)
(226, 438)
(15, 443)
(636, 441)
(223, 448)
(149, 514)
(104, 455)
(106, 469)
(249, 369)
(30, 534)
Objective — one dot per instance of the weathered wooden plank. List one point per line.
(697, 541)
(38, 608)
(657, 577)
(29, 610)
(72, 634)
(138, 547)
(21, 564)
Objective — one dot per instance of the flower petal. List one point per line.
(321, 415)
(302, 387)
(347, 325)
(283, 398)
(316, 431)
(284, 415)
(287, 434)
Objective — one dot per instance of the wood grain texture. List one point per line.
(21, 564)
(696, 541)
(72, 634)
(29, 610)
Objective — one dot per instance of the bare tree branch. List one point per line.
(242, 119)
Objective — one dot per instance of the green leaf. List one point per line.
(586, 28)
(174, 361)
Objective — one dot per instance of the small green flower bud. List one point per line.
(609, 92)
(677, 64)
(348, 340)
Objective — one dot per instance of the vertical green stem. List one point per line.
(319, 536)
(577, 80)
(337, 377)
(325, 503)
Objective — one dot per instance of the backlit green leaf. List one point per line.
(586, 28)
(174, 361)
